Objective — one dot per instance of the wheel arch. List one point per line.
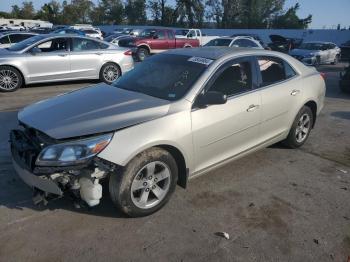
(313, 106)
(110, 62)
(144, 46)
(19, 70)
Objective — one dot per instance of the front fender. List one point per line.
(171, 130)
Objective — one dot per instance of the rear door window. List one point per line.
(245, 43)
(274, 70)
(83, 44)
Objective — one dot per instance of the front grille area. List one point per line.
(24, 149)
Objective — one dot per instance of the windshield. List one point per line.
(311, 46)
(219, 42)
(25, 43)
(110, 38)
(164, 76)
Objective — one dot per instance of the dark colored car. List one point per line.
(284, 44)
(68, 31)
(153, 41)
(345, 51)
(344, 82)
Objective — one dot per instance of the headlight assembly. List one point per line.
(73, 152)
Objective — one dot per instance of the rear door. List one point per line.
(280, 88)
(223, 131)
(49, 60)
(86, 57)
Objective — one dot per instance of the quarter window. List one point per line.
(274, 70)
(235, 79)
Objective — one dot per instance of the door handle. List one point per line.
(252, 108)
(295, 92)
(63, 55)
(98, 53)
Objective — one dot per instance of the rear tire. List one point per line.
(300, 129)
(109, 72)
(142, 53)
(145, 184)
(336, 60)
(10, 79)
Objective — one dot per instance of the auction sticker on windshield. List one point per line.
(200, 60)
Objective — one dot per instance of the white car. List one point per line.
(93, 33)
(238, 41)
(177, 115)
(317, 53)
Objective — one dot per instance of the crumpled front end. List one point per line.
(80, 181)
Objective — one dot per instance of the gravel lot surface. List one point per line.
(277, 204)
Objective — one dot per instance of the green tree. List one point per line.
(5, 14)
(27, 10)
(290, 20)
(108, 12)
(135, 11)
(16, 11)
(51, 12)
(190, 12)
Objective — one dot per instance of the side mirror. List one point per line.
(155, 36)
(189, 36)
(35, 50)
(212, 98)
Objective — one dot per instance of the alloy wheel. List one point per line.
(110, 73)
(303, 128)
(8, 80)
(150, 185)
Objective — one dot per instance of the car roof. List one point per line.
(212, 52)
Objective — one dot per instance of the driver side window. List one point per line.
(234, 79)
(54, 45)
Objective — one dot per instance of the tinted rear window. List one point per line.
(219, 42)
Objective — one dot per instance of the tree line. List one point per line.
(180, 13)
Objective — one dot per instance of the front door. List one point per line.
(49, 61)
(223, 131)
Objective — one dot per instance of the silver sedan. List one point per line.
(51, 58)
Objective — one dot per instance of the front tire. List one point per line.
(145, 184)
(300, 129)
(10, 79)
(109, 73)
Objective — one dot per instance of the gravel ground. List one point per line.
(277, 204)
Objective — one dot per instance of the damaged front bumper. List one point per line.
(81, 181)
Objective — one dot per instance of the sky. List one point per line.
(325, 13)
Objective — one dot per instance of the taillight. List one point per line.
(128, 52)
(323, 75)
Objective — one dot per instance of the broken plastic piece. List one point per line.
(223, 234)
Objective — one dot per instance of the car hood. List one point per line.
(97, 109)
(303, 52)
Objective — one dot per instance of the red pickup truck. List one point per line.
(153, 41)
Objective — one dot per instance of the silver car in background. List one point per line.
(51, 58)
(317, 53)
(10, 38)
(177, 115)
